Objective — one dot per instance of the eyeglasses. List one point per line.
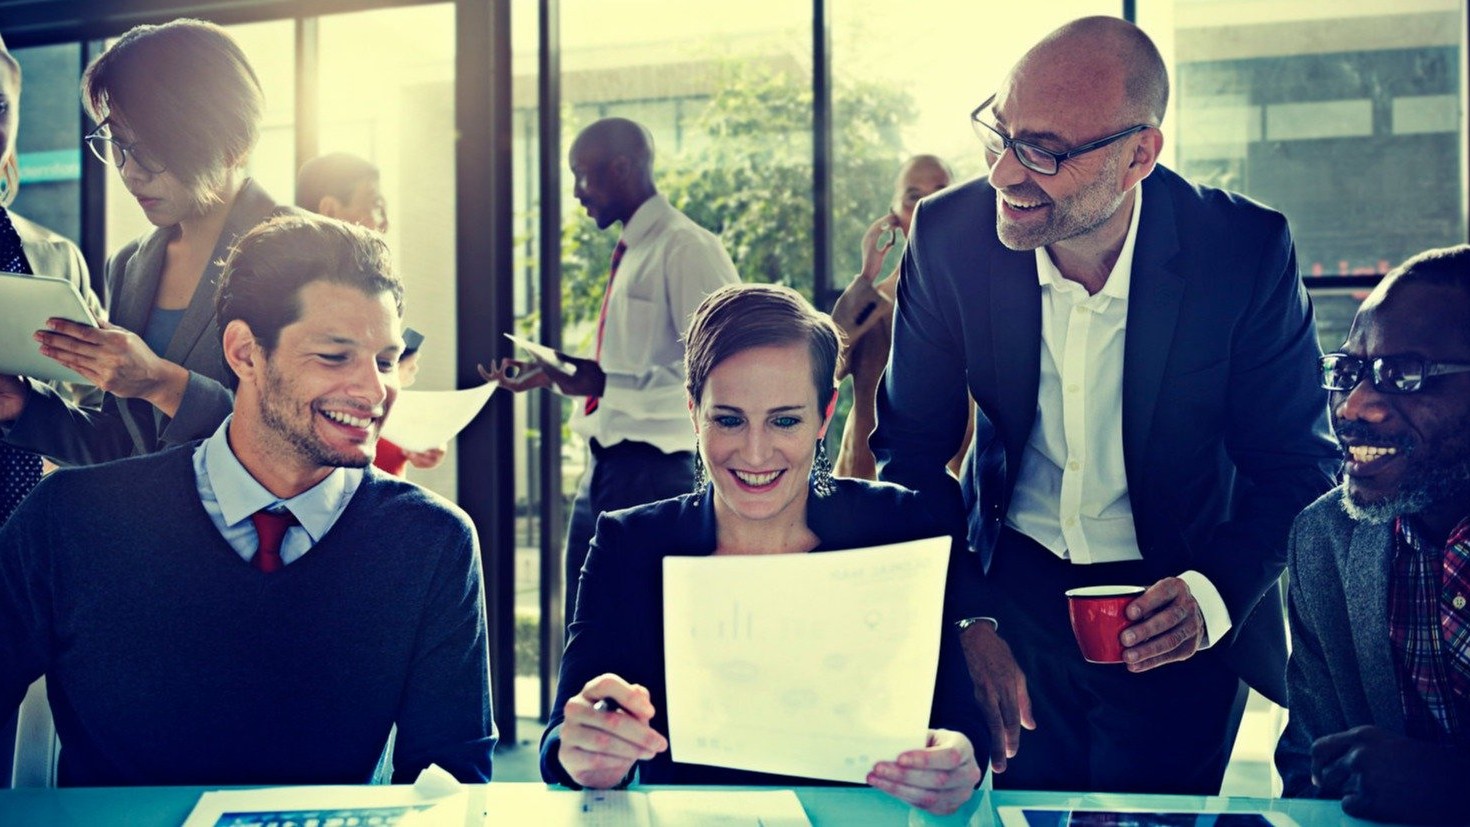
(1342, 372)
(1031, 156)
(110, 150)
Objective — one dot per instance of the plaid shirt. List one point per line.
(1429, 630)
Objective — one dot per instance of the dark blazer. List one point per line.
(1225, 431)
(77, 435)
(1341, 673)
(619, 623)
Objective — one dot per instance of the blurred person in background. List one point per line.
(178, 111)
(340, 185)
(865, 314)
(630, 405)
(28, 248)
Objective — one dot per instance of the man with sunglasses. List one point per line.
(1379, 676)
(1140, 349)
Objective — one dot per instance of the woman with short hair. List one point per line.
(178, 110)
(759, 364)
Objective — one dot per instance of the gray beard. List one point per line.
(1421, 491)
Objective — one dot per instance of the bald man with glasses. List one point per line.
(1142, 353)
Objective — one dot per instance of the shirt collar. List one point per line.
(648, 217)
(239, 494)
(1121, 276)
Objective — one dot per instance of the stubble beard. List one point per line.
(307, 444)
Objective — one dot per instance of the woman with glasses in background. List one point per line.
(759, 364)
(28, 248)
(178, 111)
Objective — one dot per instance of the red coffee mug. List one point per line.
(1098, 620)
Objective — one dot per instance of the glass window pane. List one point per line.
(49, 148)
(525, 160)
(386, 94)
(1345, 117)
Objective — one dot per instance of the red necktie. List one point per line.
(271, 527)
(612, 273)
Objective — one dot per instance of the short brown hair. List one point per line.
(185, 90)
(263, 277)
(738, 317)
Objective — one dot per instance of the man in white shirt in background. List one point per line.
(633, 411)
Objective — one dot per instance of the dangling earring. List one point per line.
(822, 471)
(10, 182)
(700, 478)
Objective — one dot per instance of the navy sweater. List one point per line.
(170, 660)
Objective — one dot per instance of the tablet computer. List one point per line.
(26, 302)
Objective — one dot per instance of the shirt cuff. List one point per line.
(1211, 605)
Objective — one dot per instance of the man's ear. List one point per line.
(330, 206)
(242, 353)
(1145, 156)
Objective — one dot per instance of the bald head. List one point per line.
(612, 167)
(1105, 56)
(618, 137)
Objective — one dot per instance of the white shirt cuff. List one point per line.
(1211, 605)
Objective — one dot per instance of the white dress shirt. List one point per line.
(669, 266)
(1071, 492)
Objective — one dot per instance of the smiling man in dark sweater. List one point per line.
(260, 607)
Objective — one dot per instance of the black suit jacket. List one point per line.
(80, 435)
(1225, 433)
(619, 623)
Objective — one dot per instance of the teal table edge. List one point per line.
(169, 806)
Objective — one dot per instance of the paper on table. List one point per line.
(531, 804)
(773, 808)
(421, 420)
(814, 665)
(542, 353)
(428, 803)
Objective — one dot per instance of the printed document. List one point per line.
(814, 665)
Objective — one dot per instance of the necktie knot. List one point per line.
(271, 527)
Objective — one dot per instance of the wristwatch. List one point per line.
(966, 623)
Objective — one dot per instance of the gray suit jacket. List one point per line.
(52, 254)
(1341, 672)
(80, 435)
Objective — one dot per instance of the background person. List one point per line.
(632, 400)
(1379, 677)
(178, 112)
(864, 312)
(339, 185)
(1138, 347)
(27, 247)
(390, 456)
(223, 621)
(760, 365)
